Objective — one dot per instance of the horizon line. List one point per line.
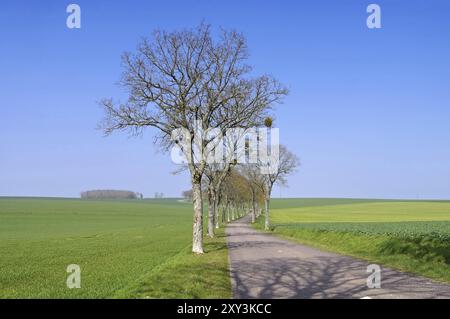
(180, 197)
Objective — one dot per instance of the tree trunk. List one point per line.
(197, 238)
(253, 212)
(266, 206)
(211, 212)
(257, 209)
(266, 222)
(216, 210)
(222, 213)
(217, 203)
(216, 214)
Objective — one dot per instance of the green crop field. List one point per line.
(141, 249)
(138, 249)
(413, 236)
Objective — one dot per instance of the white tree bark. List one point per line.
(197, 238)
(211, 212)
(216, 212)
(253, 210)
(267, 194)
(267, 221)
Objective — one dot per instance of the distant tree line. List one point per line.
(187, 195)
(110, 194)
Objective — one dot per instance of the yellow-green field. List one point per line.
(359, 211)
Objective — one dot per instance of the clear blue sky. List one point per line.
(368, 113)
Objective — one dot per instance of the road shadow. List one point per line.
(325, 278)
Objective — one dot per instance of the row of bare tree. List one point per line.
(246, 187)
(189, 78)
(237, 190)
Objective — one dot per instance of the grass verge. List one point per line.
(187, 275)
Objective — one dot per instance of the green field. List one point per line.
(141, 249)
(413, 236)
(138, 249)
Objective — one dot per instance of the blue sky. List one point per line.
(368, 113)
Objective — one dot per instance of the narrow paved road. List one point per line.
(264, 266)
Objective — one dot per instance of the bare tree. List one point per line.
(187, 80)
(215, 178)
(254, 179)
(285, 165)
(236, 194)
(217, 172)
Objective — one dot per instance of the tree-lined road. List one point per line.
(264, 266)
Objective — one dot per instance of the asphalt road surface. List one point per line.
(264, 266)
